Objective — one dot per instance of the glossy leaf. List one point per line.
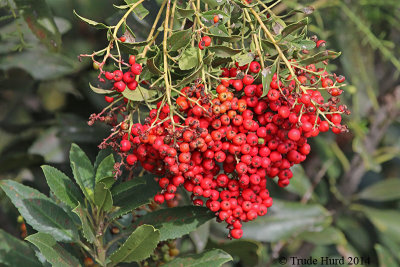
(327, 236)
(386, 221)
(40, 20)
(15, 252)
(62, 186)
(102, 197)
(179, 39)
(40, 211)
(99, 90)
(83, 170)
(135, 197)
(96, 24)
(224, 51)
(382, 191)
(123, 191)
(189, 59)
(214, 257)
(185, 13)
(294, 26)
(266, 76)
(136, 95)
(321, 56)
(176, 222)
(140, 10)
(285, 219)
(105, 169)
(139, 245)
(87, 230)
(249, 252)
(52, 251)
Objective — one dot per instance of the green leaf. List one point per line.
(52, 251)
(304, 44)
(244, 59)
(200, 236)
(327, 236)
(135, 197)
(294, 26)
(267, 75)
(136, 95)
(228, 38)
(176, 222)
(185, 13)
(83, 170)
(103, 153)
(40, 211)
(382, 191)
(152, 67)
(214, 258)
(285, 219)
(321, 56)
(301, 183)
(40, 20)
(102, 197)
(100, 91)
(105, 169)
(386, 221)
(220, 31)
(140, 10)
(179, 39)
(63, 188)
(249, 252)
(189, 59)
(224, 51)
(97, 25)
(87, 230)
(123, 191)
(14, 252)
(190, 77)
(384, 256)
(139, 245)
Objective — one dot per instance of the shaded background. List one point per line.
(343, 201)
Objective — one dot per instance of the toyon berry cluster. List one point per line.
(223, 147)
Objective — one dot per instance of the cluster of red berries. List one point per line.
(122, 80)
(226, 147)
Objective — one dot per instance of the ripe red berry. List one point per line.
(255, 67)
(136, 69)
(125, 145)
(132, 59)
(207, 40)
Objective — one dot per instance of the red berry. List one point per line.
(207, 40)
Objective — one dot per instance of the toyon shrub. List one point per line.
(218, 101)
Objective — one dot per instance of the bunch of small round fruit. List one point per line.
(223, 147)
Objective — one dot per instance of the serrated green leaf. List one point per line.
(285, 219)
(220, 31)
(176, 222)
(214, 257)
(96, 24)
(63, 188)
(105, 169)
(100, 91)
(294, 26)
(224, 51)
(321, 56)
(40, 211)
(136, 197)
(122, 191)
(103, 153)
(52, 251)
(249, 252)
(189, 59)
(87, 230)
(140, 10)
(179, 39)
(15, 252)
(83, 170)
(136, 95)
(384, 256)
(244, 59)
(139, 245)
(382, 191)
(327, 236)
(40, 20)
(102, 197)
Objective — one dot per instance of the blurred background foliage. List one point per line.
(343, 201)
